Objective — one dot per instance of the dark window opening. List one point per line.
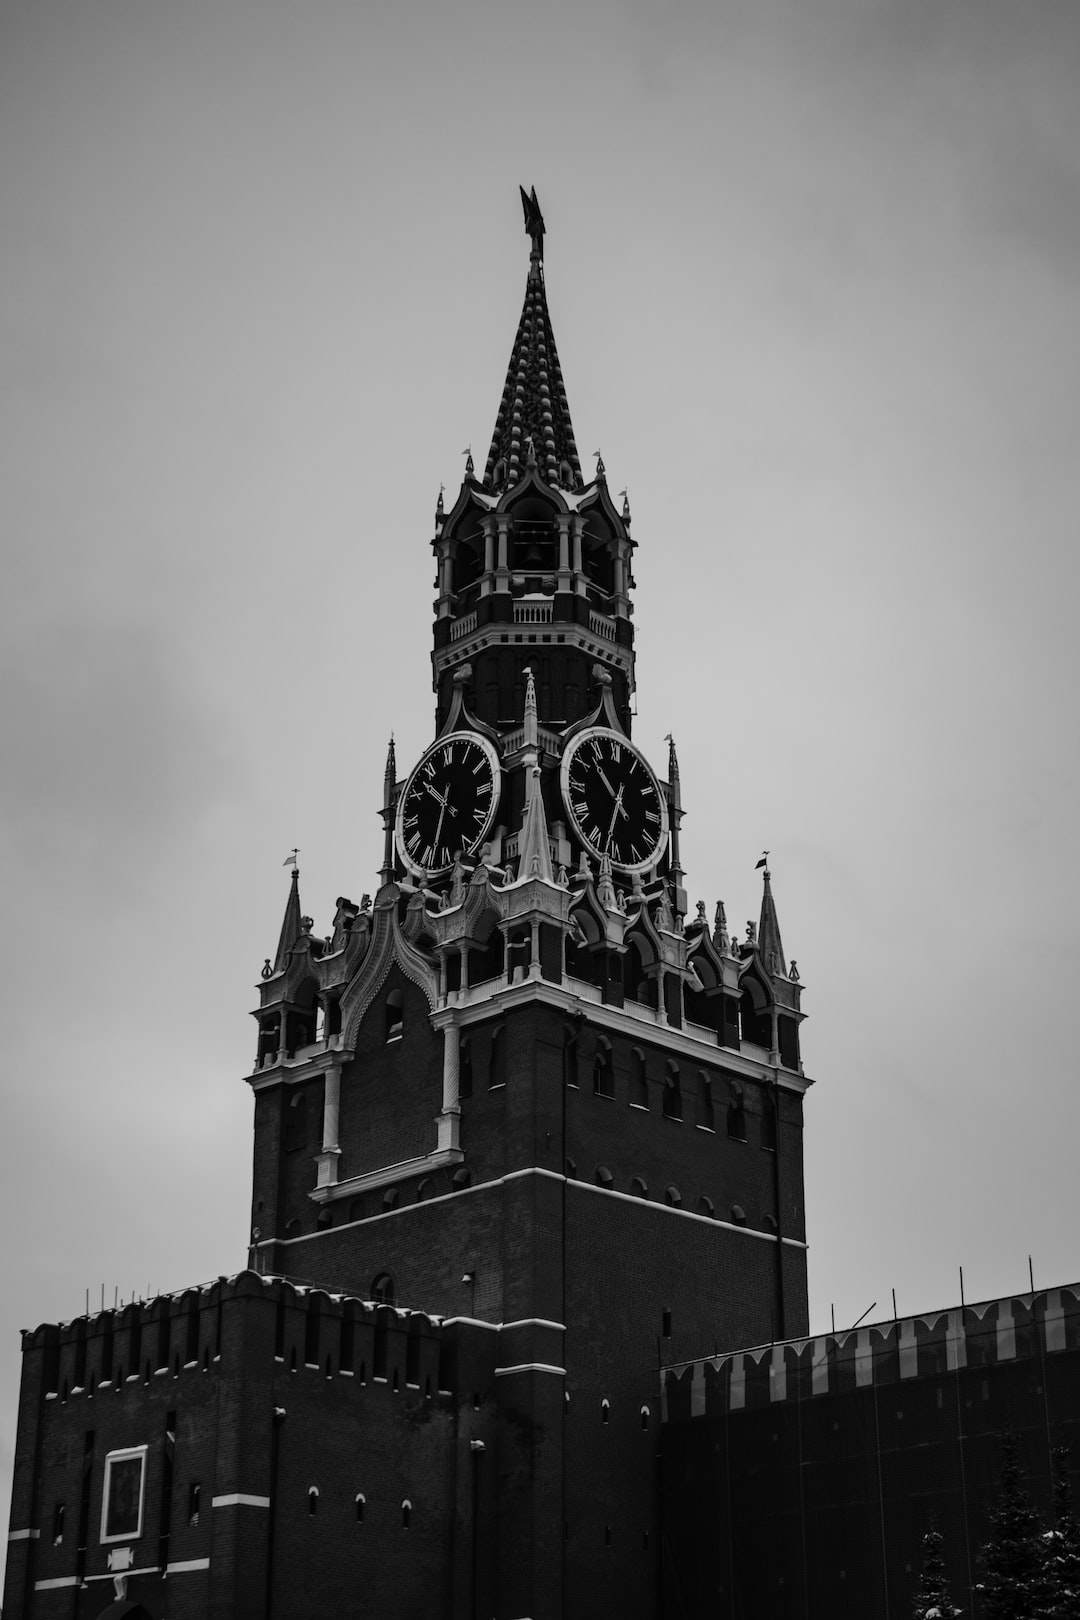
(296, 1124)
(395, 1016)
(603, 1070)
(672, 1108)
(58, 1524)
(313, 1501)
(665, 1323)
(194, 1493)
(382, 1289)
(465, 1069)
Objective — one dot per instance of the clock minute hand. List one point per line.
(615, 814)
(602, 774)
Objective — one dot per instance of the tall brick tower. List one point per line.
(522, 1086)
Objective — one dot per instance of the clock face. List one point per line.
(613, 799)
(448, 803)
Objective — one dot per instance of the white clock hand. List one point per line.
(614, 818)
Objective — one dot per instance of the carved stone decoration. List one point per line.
(388, 947)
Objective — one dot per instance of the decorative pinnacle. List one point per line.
(530, 709)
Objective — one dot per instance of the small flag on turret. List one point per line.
(763, 862)
(292, 859)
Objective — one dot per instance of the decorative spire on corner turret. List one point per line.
(291, 923)
(768, 934)
(675, 814)
(389, 788)
(534, 404)
(721, 937)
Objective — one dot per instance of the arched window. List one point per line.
(672, 1091)
(497, 1058)
(406, 1513)
(736, 1113)
(426, 1190)
(645, 1415)
(571, 1169)
(638, 1187)
(704, 1101)
(312, 1501)
(395, 1015)
(461, 1178)
(390, 1198)
(605, 1410)
(707, 1207)
(361, 1504)
(673, 1197)
(768, 1122)
(603, 1073)
(738, 1215)
(296, 1126)
(604, 1177)
(639, 1084)
(382, 1289)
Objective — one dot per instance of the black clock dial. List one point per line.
(448, 803)
(613, 799)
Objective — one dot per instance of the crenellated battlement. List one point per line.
(296, 1328)
(1016, 1328)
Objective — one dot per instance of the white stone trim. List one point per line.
(517, 1175)
(387, 1175)
(530, 1366)
(534, 1321)
(56, 1582)
(187, 1565)
(240, 1499)
(23, 1535)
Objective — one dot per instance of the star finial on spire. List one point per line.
(534, 223)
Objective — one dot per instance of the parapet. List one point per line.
(1017, 1328)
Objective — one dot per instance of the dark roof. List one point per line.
(534, 404)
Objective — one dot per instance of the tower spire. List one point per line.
(290, 923)
(533, 405)
(768, 936)
(534, 856)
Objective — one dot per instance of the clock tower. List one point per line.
(523, 1086)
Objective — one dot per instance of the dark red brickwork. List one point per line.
(249, 1415)
(799, 1479)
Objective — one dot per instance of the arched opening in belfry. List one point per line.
(301, 1017)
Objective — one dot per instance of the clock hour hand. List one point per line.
(441, 799)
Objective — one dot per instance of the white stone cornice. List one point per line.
(677, 1042)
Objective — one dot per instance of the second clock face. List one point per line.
(448, 803)
(613, 799)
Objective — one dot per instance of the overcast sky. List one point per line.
(813, 267)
